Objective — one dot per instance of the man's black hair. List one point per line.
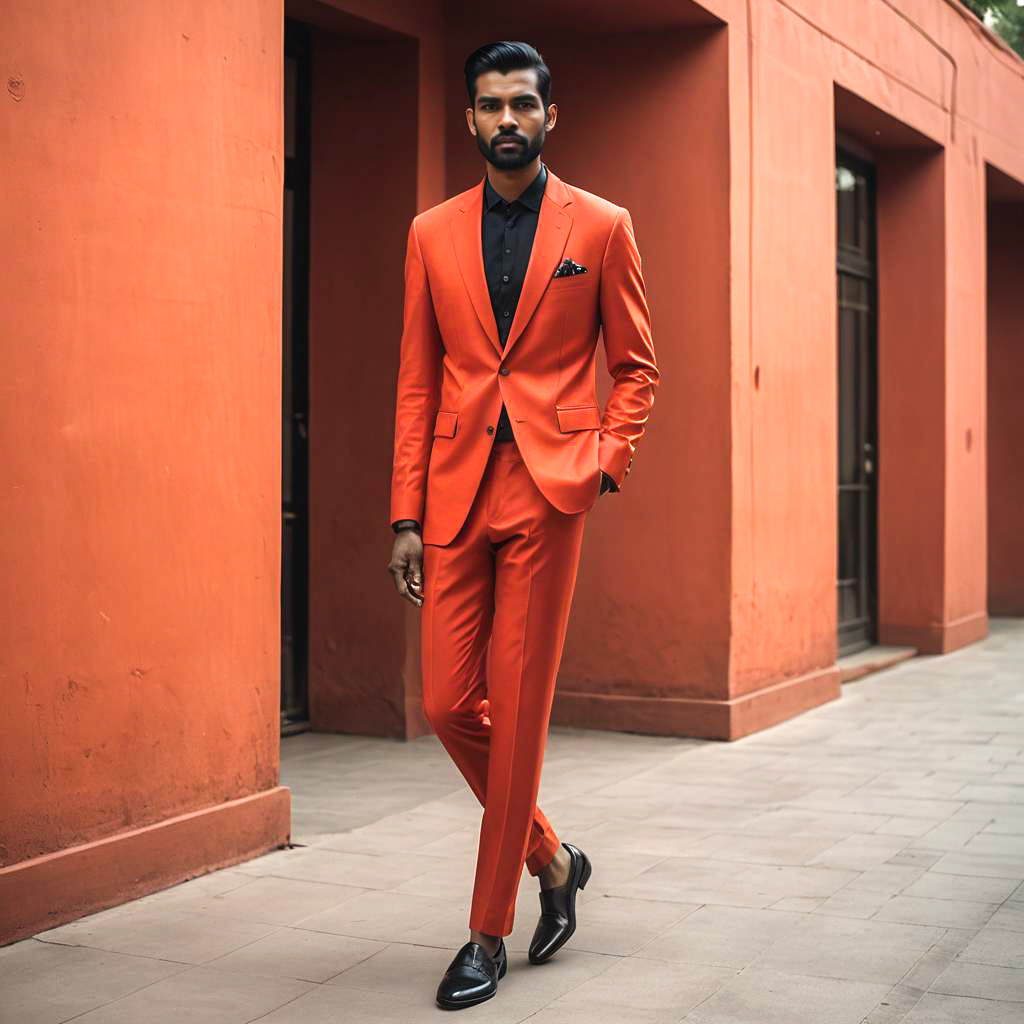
(507, 56)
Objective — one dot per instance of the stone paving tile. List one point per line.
(406, 830)
(183, 936)
(909, 990)
(1010, 916)
(586, 1014)
(798, 904)
(268, 900)
(915, 858)
(199, 994)
(949, 913)
(991, 842)
(936, 885)
(681, 814)
(1014, 827)
(649, 837)
(791, 821)
(859, 852)
(447, 878)
(893, 1009)
(861, 863)
(992, 793)
(721, 936)
(982, 981)
(462, 842)
(951, 835)
(696, 880)
(449, 921)
(789, 850)
(988, 865)
(45, 983)
(636, 983)
(376, 914)
(935, 1008)
(1009, 815)
(890, 879)
(184, 893)
(998, 947)
(758, 995)
(916, 828)
(849, 949)
(866, 803)
(299, 954)
(343, 867)
(913, 784)
(333, 1004)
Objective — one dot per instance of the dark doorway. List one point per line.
(1005, 385)
(856, 287)
(295, 386)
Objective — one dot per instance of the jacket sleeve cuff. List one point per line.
(615, 456)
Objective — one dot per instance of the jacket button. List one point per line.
(503, 371)
(490, 430)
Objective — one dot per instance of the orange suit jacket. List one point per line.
(454, 375)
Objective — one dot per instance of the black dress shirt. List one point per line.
(506, 235)
(507, 230)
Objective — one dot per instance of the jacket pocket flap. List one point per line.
(444, 425)
(578, 417)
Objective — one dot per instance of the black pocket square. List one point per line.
(569, 267)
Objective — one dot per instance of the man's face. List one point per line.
(508, 118)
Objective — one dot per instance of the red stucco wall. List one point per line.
(936, 80)
(140, 150)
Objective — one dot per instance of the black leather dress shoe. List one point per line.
(472, 976)
(558, 909)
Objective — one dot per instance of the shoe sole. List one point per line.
(447, 1004)
(584, 877)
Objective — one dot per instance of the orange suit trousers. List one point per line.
(495, 608)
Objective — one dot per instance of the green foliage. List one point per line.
(1004, 17)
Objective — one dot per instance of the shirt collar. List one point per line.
(530, 197)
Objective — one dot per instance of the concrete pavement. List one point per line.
(861, 863)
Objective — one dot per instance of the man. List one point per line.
(500, 451)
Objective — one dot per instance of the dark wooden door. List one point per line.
(295, 384)
(856, 285)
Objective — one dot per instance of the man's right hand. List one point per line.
(406, 565)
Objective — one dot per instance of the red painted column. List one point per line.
(141, 305)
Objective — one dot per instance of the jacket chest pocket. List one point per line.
(571, 283)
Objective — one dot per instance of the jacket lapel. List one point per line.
(553, 224)
(549, 241)
(469, 252)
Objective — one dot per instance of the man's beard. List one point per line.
(514, 158)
